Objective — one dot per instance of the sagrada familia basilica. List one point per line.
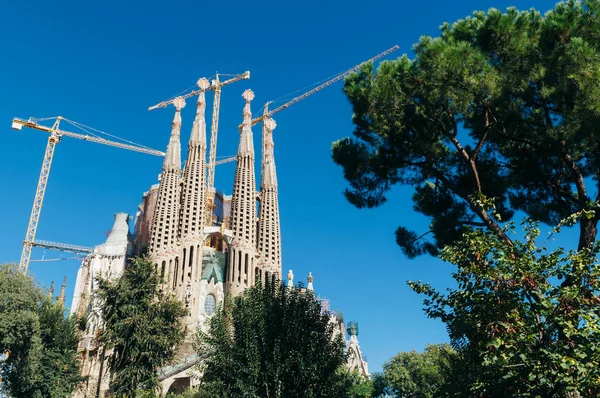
(204, 244)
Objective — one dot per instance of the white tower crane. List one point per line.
(55, 136)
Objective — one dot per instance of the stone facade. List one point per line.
(107, 260)
(203, 251)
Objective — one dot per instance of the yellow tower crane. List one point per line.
(55, 136)
(215, 86)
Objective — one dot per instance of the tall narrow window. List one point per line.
(232, 268)
(191, 261)
(246, 269)
(239, 266)
(176, 272)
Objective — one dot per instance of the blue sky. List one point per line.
(103, 63)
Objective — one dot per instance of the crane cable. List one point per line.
(306, 88)
(85, 128)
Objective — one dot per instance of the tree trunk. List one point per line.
(588, 229)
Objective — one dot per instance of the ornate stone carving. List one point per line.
(179, 103)
(203, 83)
(270, 124)
(187, 295)
(248, 95)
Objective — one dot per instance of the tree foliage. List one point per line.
(273, 341)
(359, 386)
(518, 330)
(502, 108)
(142, 326)
(39, 342)
(414, 374)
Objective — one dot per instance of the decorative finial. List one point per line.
(270, 124)
(203, 83)
(61, 296)
(179, 103)
(248, 95)
(352, 328)
(310, 277)
(310, 282)
(52, 290)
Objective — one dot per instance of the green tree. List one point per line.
(38, 340)
(414, 374)
(519, 331)
(359, 386)
(502, 108)
(273, 342)
(143, 326)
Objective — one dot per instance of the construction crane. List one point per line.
(55, 136)
(216, 86)
(268, 114)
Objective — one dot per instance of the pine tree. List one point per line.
(502, 110)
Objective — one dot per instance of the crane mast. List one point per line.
(214, 132)
(55, 136)
(38, 199)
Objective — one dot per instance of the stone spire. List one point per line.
(193, 204)
(269, 237)
(310, 283)
(241, 264)
(164, 230)
(355, 360)
(52, 290)
(193, 196)
(61, 296)
(173, 154)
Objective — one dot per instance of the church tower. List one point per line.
(269, 239)
(193, 203)
(163, 248)
(242, 253)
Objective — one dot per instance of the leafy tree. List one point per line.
(359, 386)
(414, 374)
(518, 330)
(502, 108)
(380, 385)
(273, 341)
(142, 326)
(39, 342)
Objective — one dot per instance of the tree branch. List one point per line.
(485, 133)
